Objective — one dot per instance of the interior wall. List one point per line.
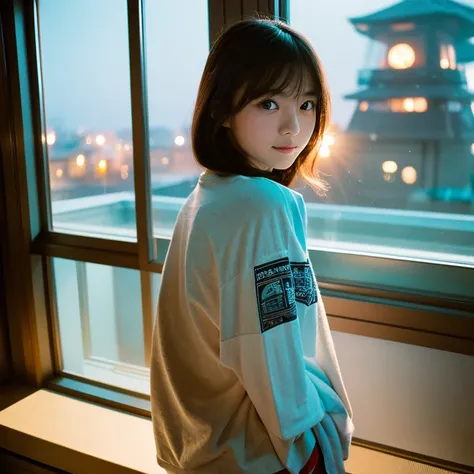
(410, 397)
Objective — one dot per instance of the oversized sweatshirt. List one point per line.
(244, 375)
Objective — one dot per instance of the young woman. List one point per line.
(244, 376)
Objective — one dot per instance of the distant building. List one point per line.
(409, 142)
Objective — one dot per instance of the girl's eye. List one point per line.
(308, 105)
(267, 104)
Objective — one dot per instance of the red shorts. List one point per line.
(315, 464)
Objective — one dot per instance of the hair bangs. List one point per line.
(285, 67)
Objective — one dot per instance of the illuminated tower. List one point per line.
(413, 88)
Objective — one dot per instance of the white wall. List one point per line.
(410, 397)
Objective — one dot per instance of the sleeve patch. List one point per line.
(305, 287)
(275, 289)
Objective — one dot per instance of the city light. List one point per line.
(421, 104)
(409, 175)
(401, 56)
(80, 160)
(59, 172)
(452, 56)
(165, 160)
(447, 57)
(389, 167)
(444, 63)
(51, 138)
(179, 140)
(88, 140)
(102, 166)
(124, 171)
(100, 140)
(409, 105)
(472, 148)
(364, 106)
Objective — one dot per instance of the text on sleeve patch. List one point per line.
(275, 290)
(305, 287)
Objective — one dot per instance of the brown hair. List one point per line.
(260, 56)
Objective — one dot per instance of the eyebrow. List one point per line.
(311, 92)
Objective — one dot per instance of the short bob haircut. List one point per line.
(262, 57)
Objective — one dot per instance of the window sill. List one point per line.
(83, 437)
(76, 436)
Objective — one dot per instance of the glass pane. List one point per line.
(86, 77)
(398, 155)
(176, 54)
(103, 305)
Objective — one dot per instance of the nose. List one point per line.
(290, 124)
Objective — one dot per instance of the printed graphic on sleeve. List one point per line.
(305, 288)
(275, 290)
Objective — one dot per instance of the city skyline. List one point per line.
(86, 64)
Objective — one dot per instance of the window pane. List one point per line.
(100, 323)
(398, 155)
(86, 74)
(176, 54)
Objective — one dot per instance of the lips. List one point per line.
(285, 149)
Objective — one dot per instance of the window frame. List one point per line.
(391, 312)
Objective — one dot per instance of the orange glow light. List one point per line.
(401, 56)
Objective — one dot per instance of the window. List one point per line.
(100, 323)
(447, 57)
(401, 105)
(88, 115)
(86, 78)
(396, 227)
(173, 73)
(103, 327)
(397, 147)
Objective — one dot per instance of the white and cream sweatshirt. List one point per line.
(244, 375)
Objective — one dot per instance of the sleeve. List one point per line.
(260, 327)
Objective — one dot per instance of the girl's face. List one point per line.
(273, 130)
